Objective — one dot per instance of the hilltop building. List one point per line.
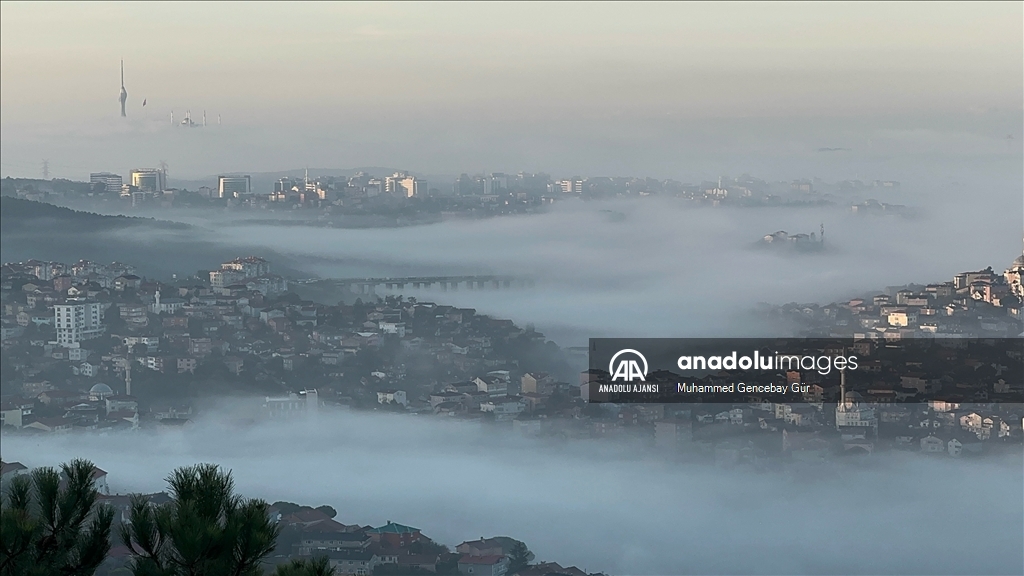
(111, 182)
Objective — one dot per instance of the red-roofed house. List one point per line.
(492, 565)
(496, 546)
(547, 568)
(394, 534)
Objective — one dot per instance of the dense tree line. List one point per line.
(52, 524)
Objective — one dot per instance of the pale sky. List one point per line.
(458, 86)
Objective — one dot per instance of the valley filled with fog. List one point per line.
(642, 267)
(628, 267)
(911, 109)
(601, 505)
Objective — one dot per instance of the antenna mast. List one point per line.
(124, 93)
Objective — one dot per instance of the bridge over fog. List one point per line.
(484, 282)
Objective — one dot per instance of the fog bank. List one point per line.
(597, 504)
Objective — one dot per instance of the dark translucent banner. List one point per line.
(810, 370)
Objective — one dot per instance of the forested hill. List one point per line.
(19, 214)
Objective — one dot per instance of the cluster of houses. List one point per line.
(355, 550)
(73, 369)
(981, 303)
(74, 336)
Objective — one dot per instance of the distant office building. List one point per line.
(78, 320)
(233, 186)
(111, 182)
(495, 183)
(466, 185)
(401, 184)
(283, 185)
(149, 180)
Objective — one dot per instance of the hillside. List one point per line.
(17, 214)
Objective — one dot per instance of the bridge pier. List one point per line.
(446, 283)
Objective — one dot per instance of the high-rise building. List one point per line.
(78, 320)
(233, 186)
(495, 183)
(402, 184)
(466, 185)
(111, 182)
(149, 179)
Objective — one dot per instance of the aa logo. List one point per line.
(627, 368)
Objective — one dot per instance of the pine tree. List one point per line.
(519, 557)
(205, 530)
(51, 524)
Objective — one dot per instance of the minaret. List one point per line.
(128, 377)
(842, 388)
(204, 118)
(124, 93)
(841, 406)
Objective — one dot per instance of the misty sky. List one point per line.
(670, 90)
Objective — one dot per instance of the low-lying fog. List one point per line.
(665, 268)
(596, 504)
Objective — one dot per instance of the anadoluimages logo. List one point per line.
(627, 369)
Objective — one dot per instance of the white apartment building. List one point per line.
(78, 320)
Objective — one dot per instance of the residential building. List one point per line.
(78, 320)
(392, 397)
(395, 535)
(493, 565)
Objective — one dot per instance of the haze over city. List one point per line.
(666, 90)
(357, 255)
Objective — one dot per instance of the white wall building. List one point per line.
(233, 186)
(78, 320)
(392, 396)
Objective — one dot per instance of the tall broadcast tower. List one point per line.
(124, 93)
